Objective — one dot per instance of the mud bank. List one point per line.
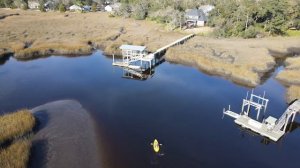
(65, 137)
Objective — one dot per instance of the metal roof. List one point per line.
(133, 47)
(196, 12)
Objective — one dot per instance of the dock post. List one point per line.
(294, 116)
(113, 58)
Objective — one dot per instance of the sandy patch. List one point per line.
(65, 137)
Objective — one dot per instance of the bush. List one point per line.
(7, 3)
(62, 7)
(94, 7)
(24, 6)
(140, 10)
(250, 32)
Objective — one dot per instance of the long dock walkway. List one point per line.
(177, 42)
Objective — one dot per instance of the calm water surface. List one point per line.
(179, 106)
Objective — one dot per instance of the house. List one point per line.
(75, 8)
(33, 5)
(195, 17)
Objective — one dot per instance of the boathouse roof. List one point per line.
(133, 47)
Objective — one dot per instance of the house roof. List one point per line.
(133, 47)
(196, 13)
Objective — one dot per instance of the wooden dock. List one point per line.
(177, 42)
(150, 59)
(270, 127)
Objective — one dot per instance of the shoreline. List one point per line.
(32, 34)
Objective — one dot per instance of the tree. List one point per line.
(140, 10)
(7, 3)
(62, 8)
(273, 15)
(41, 6)
(94, 7)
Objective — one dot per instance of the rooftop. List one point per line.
(133, 47)
(196, 13)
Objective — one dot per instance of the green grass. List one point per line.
(293, 33)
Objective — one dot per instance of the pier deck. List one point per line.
(270, 127)
(260, 128)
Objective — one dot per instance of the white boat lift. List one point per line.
(137, 58)
(270, 127)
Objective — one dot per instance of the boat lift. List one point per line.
(271, 127)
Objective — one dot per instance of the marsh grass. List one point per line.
(289, 77)
(16, 155)
(33, 34)
(231, 59)
(45, 49)
(238, 74)
(15, 125)
(15, 144)
(291, 74)
(293, 92)
(293, 63)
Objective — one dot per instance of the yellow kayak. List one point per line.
(155, 146)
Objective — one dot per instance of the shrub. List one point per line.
(62, 7)
(140, 10)
(250, 32)
(94, 7)
(42, 7)
(24, 6)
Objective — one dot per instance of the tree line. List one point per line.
(243, 18)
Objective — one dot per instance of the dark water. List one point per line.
(179, 106)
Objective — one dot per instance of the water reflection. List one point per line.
(142, 74)
(4, 59)
(138, 74)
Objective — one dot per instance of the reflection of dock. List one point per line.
(137, 58)
(137, 75)
(271, 127)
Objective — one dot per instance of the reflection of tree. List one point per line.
(4, 59)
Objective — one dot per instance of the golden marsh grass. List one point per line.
(15, 125)
(16, 155)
